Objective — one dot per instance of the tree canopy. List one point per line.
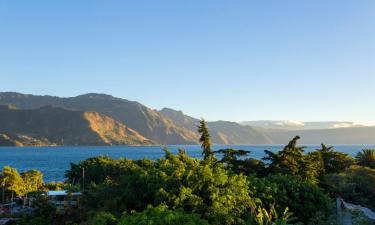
(205, 140)
(366, 158)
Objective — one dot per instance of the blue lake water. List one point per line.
(54, 161)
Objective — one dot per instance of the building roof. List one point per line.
(61, 193)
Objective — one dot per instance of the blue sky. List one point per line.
(230, 60)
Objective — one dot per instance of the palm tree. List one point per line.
(366, 158)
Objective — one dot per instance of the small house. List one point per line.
(63, 198)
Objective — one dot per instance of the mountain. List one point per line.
(60, 126)
(7, 139)
(352, 135)
(150, 123)
(222, 132)
(329, 132)
(300, 125)
(99, 119)
(180, 118)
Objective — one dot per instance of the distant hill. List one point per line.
(7, 139)
(300, 125)
(353, 135)
(222, 132)
(50, 125)
(134, 115)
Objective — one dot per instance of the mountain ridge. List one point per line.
(170, 126)
(59, 126)
(140, 118)
(222, 132)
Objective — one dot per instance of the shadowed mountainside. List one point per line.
(8, 139)
(134, 115)
(61, 126)
(222, 132)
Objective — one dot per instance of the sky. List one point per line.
(213, 59)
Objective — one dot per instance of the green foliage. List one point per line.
(96, 170)
(44, 213)
(287, 161)
(292, 161)
(178, 189)
(178, 181)
(230, 155)
(264, 217)
(103, 218)
(13, 180)
(360, 219)
(29, 181)
(333, 161)
(231, 158)
(366, 158)
(326, 218)
(33, 180)
(55, 186)
(355, 185)
(205, 140)
(303, 198)
(161, 216)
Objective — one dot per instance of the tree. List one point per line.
(355, 185)
(161, 216)
(29, 181)
(44, 213)
(231, 155)
(292, 161)
(33, 180)
(177, 181)
(205, 140)
(95, 170)
(303, 198)
(286, 161)
(103, 218)
(366, 158)
(231, 158)
(13, 181)
(333, 161)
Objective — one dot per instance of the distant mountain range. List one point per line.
(99, 119)
(300, 125)
(222, 132)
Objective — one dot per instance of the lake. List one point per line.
(54, 161)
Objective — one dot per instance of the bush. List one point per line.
(177, 181)
(303, 198)
(356, 185)
(103, 218)
(161, 216)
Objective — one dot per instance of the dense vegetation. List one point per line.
(286, 187)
